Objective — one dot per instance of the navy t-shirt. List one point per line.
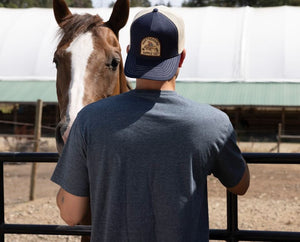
(143, 158)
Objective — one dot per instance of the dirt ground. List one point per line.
(272, 201)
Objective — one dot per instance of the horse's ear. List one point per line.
(61, 11)
(119, 16)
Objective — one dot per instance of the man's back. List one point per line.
(141, 158)
(147, 162)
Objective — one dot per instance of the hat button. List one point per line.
(155, 10)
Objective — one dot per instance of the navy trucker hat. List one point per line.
(156, 44)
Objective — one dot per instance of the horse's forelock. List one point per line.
(77, 24)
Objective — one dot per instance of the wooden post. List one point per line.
(237, 122)
(279, 138)
(37, 136)
(283, 121)
(15, 112)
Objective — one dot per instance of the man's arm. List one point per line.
(73, 209)
(242, 187)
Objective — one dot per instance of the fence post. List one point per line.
(2, 202)
(37, 136)
(279, 137)
(232, 216)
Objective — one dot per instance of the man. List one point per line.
(140, 160)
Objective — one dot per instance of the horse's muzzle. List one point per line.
(60, 136)
(59, 140)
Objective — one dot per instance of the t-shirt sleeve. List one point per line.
(229, 165)
(71, 170)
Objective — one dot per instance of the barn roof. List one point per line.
(276, 94)
(226, 47)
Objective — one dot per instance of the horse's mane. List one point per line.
(77, 24)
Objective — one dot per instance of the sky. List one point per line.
(105, 3)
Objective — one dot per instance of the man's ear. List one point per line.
(182, 57)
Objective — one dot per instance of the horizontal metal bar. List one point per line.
(217, 234)
(272, 158)
(251, 158)
(45, 229)
(28, 157)
(254, 235)
(254, 158)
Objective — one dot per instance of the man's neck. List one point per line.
(145, 84)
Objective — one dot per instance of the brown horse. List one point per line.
(88, 61)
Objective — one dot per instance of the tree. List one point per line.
(42, 3)
(220, 3)
(140, 3)
(81, 3)
(162, 2)
(238, 3)
(293, 2)
(135, 3)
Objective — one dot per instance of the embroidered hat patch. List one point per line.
(150, 47)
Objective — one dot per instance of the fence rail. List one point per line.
(232, 233)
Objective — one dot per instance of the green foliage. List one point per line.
(135, 3)
(238, 3)
(81, 3)
(145, 3)
(140, 3)
(42, 3)
(293, 2)
(162, 2)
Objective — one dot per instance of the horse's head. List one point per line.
(88, 61)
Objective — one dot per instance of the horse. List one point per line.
(88, 61)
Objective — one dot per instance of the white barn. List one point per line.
(223, 44)
(240, 45)
(237, 58)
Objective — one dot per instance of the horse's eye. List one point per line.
(114, 63)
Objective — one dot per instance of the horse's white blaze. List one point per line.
(81, 48)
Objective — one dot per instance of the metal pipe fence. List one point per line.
(231, 233)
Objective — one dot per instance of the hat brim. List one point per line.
(160, 70)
